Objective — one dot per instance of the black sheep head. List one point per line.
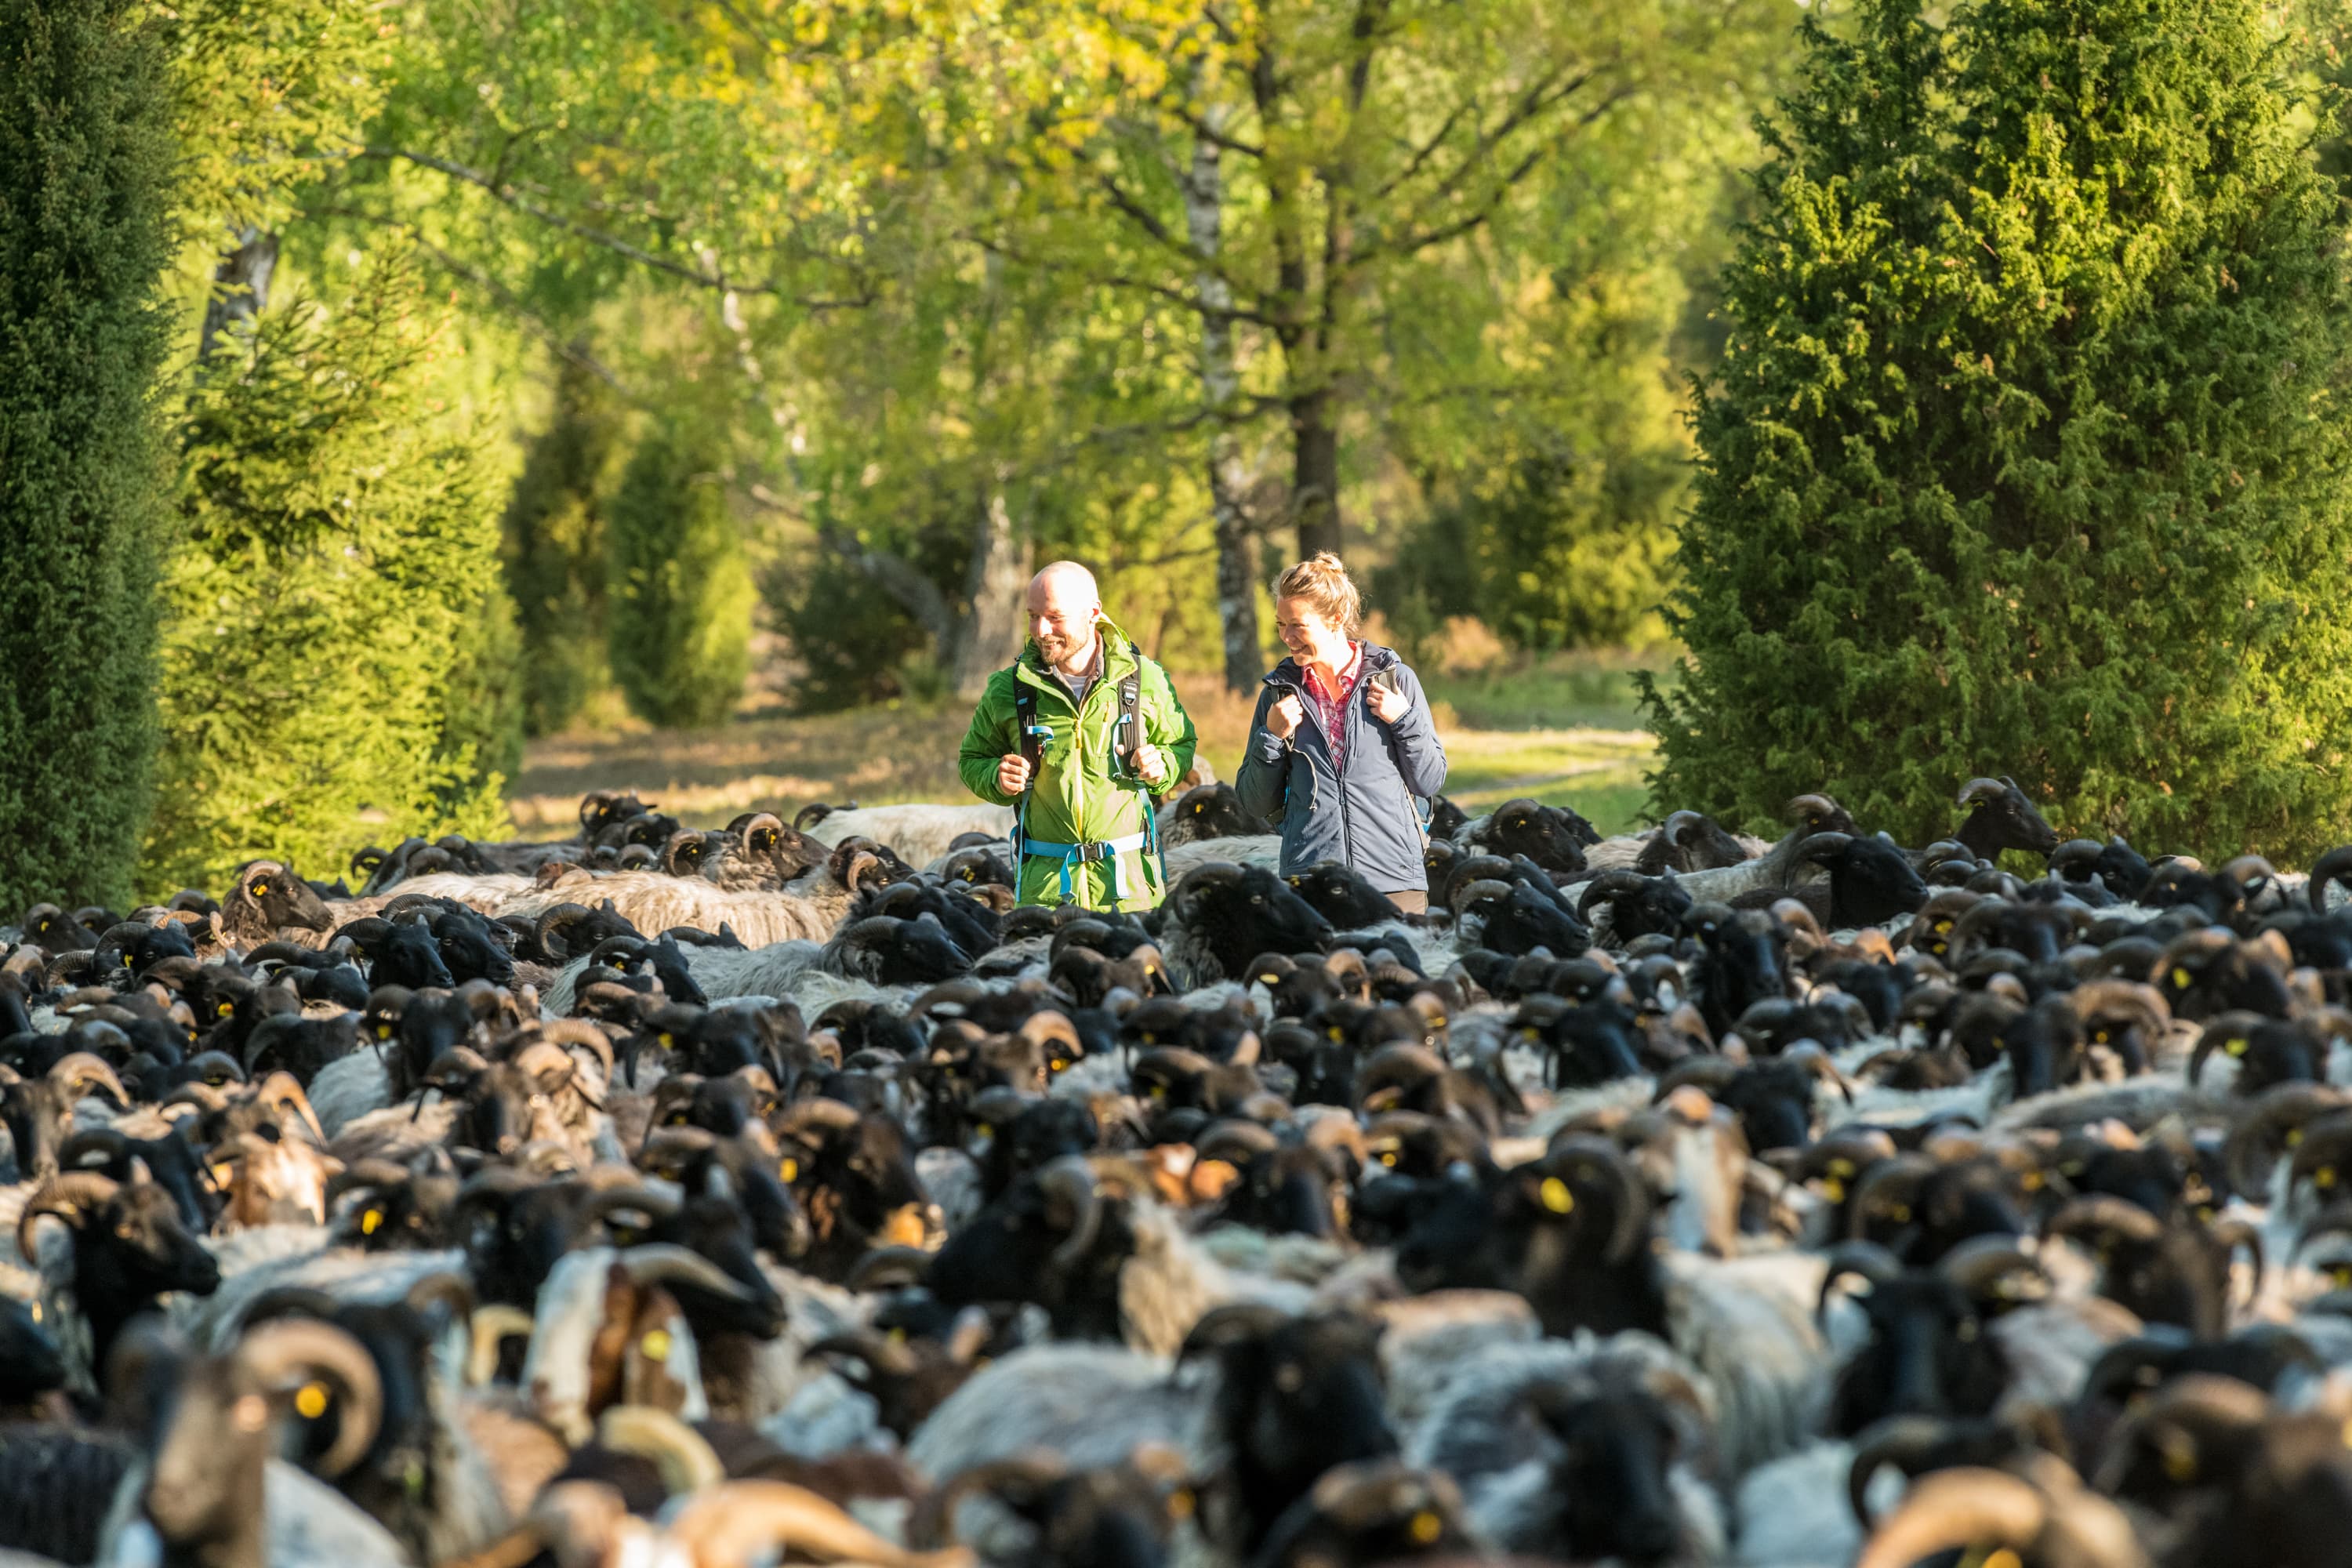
(2003, 819)
(1341, 894)
(1209, 811)
(1871, 881)
(269, 896)
(1240, 912)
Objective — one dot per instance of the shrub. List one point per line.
(334, 623)
(679, 592)
(2028, 450)
(85, 161)
(552, 550)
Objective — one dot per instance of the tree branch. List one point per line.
(506, 194)
(565, 348)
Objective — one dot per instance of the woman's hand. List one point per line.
(1282, 719)
(1388, 704)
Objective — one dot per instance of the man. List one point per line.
(1102, 731)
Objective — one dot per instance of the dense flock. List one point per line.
(785, 1194)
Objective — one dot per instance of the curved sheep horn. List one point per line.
(77, 1070)
(629, 1196)
(687, 1461)
(888, 1269)
(1820, 847)
(2247, 868)
(2335, 866)
(443, 1285)
(1681, 823)
(1904, 1441)
(932, 1523)
(2075, 853)
(570, 1032)
(1809, 809)
(1630, 1227)
(662, 1262)
(1959, 1508)
(1982, 1265)
(1072, 1179)
(287, 1351)
(1235, 1143)
(816, 1112)
(1979, 789)
(546, 1064)
(2227, 1033)
(737, 1521)
(281, 1090)
(493, 1324)
(1607, 885)
(2247, 1155)
(2335, 1220)
(1864, 1259)
(2236, 1233)
(367, 1174)
(68, 1197)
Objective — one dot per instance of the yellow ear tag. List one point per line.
(1556, 1195)
(790, 1170)
(383, 1031)
(2004, 1558)
(312, 1401)
(1335, 1032)
(261, 890)
(1059, 1064)
(985, 1130)
(1833, 1190)
(667, 1041)
(371, 1222)
(1269, 979)
(1424, 1528)
(1180, 1503)
(2323, 1178)
(655, 1344)
(2236, 1048)
(2181, 980)
(2294, 1136)
(223, 1009)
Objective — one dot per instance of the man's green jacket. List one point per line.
(1080, 795)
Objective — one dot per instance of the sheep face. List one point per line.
(1341, 895)
(1617, 1448)
(1209, 811)
(1296, 1396)
(853, 1177)
(2002, 819)
(270, 897)
(1238, 912)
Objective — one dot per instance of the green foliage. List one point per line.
(680, 594)
(553, 553)
(270, 96)
(332, 658)
(2028, 454)
(84, 153)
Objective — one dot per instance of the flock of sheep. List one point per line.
(785, 1194)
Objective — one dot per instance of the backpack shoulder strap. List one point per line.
(1130, 735)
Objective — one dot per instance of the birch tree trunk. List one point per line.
(989, 635)
(1220, 383)
(241, 284)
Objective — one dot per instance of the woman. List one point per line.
(1343, 743)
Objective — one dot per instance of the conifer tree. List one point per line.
(553, 551)
(333, 609)
(2027, 452)
(85, 155)
(678, 592)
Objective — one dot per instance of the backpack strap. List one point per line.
(1032, 737)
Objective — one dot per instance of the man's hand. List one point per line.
(1388, 704)
(1012, 773)
(1282, 719)
(1152, 764)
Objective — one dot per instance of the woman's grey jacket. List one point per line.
(1368, 817)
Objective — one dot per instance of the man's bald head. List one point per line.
(1063, 603)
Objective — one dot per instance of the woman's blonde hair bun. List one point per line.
(1323, 584)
